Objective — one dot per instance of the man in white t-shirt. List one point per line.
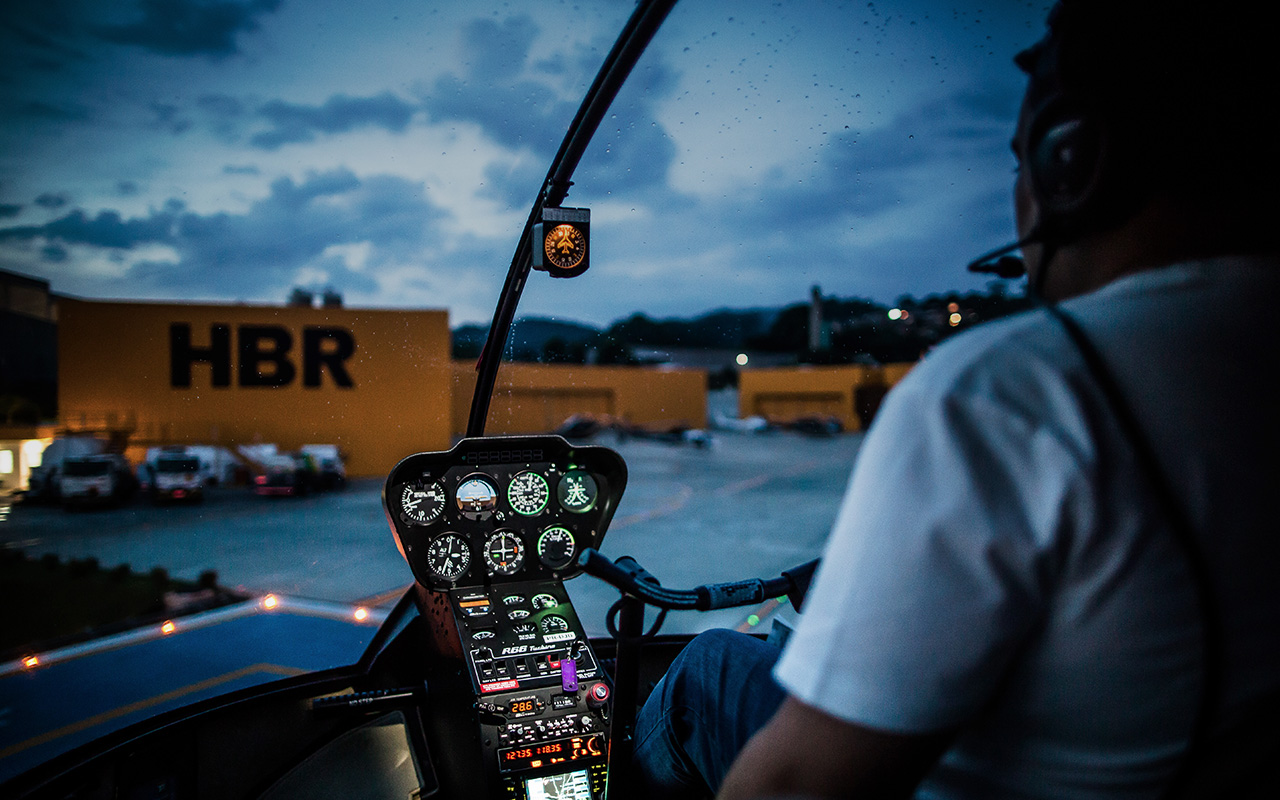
(1006, 606)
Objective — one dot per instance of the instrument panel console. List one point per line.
(495, 509)
(497, 524)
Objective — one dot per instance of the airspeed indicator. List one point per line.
(421, 502)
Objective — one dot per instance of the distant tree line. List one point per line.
(853, 330)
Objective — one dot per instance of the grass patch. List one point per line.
(46, 602)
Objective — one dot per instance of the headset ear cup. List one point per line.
(1068, 162)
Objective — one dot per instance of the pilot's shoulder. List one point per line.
(995, 358)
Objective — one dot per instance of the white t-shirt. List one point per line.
(999, 566)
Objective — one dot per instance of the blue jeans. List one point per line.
(718, 692)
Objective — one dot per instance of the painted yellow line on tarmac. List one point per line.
(142, 705)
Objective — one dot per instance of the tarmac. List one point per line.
(749, 505)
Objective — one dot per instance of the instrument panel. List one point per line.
(501, 509)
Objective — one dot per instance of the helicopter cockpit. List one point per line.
(488, 678)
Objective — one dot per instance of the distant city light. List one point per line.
(168, 627)
(31, 661)
(741, 359)
(895, 313)
(361, 614)
(954, 319)
(270, 601)
(953, 307)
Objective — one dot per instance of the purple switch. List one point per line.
(569, 674)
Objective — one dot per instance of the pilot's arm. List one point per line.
(805, 752)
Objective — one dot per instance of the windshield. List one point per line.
(286, 224)
(85, 469)
(178, 465)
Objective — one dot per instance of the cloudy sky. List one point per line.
(228, 150)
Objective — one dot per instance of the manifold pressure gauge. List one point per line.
(562, 241)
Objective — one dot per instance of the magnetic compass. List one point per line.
(565, 246)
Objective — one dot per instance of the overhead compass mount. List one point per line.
(562, 242)
(640, 28)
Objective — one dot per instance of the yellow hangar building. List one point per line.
(379, 384)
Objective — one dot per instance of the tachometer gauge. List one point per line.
(476, 497)
(528, 493)
(448, 556)
(556, 547)
(577, 491)
(553, 624)
(503, 553)
(421, 502)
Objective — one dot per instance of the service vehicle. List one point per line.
(176, 476)
(284, 475)
(105, 479)
(45, 479)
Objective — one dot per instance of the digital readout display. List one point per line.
(523, 705)
(568, 786)
(546, 754)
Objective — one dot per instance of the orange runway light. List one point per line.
(361, 614)
(270, 601)
(31, 661)
(168, 627)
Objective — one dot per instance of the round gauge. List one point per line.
(556, 547)
(577, 491)
(421, 502)
(565, 246)
(448, 556)
(528, 493)
(476, 497)
(503, 552)
(544, 601)
(553, 624)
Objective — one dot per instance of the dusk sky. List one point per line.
(229, 150)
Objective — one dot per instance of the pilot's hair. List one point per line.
(1187, 90)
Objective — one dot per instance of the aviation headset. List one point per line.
(1069, 159)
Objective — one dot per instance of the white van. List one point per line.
(95, 480)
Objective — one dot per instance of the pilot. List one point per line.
(1055, 572)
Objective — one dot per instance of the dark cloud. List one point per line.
(9, 210)
(169, 118)
(524, 114)
(105, 229)
(127, 188)
(496, 51)
(52, 200)
(257, 253)
(189, 27)
(340, 113)
(53, 254)
(40, 37)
